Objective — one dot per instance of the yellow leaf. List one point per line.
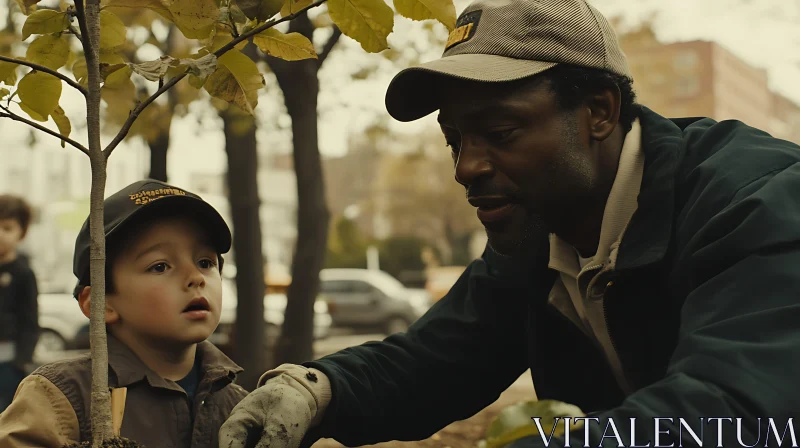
(80, 72)
(31, 113)
(514, 422)
(117, 78)
(48, 50)
(4, 93)
(113, 33)
(195, 18)
(291, 47)
(27, 6)
(40, 92)
(237, 81)
(62, 121)
(369, 22)
(442, 10)
(292, 6)
(45, 21)
(8, 73)
(259, 10)
(158, 6)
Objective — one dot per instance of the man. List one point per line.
(641, 267)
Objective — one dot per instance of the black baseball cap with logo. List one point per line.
(142, 201)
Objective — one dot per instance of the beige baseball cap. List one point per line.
(507, 40)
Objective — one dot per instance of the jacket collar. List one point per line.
(129, 369)
(648, 235)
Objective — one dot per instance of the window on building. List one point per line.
(686, 86)
(686, 60)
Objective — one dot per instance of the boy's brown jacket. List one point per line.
(51, 406)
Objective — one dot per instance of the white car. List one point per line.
(62, 326)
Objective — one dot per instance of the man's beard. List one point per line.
(527, 244)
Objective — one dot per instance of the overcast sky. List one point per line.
(764, 33)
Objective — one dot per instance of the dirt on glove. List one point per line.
(117, 442)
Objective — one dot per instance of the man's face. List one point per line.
(10, 236)
(168, 288)
(524, 162)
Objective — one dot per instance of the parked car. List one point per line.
(371, 300)
(61, 324)
(274, 308)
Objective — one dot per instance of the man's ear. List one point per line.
(85, 302)
(604, 109)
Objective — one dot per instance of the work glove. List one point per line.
(288, 401)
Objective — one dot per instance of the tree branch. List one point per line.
(75, 31)
(8, 114)
(81, 14)
(126, 127)
(329, 44)
(41, 68)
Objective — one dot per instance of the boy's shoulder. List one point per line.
(71, 376)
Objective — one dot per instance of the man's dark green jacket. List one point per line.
(703, 308)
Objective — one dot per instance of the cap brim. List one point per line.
(412, 94)
(197, 210)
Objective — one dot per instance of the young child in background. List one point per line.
(164, 250)
(19, 312)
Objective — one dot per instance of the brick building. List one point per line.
(701, 78)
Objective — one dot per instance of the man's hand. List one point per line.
(278, 414)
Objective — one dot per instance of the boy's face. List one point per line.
(10, 235)
(168, 286)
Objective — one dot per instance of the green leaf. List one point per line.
(514, 422)
(62, 121)
(292, 6)
(195, 18)
(45, 21)
(369, 22)
(27, 6)
(40, 92)
(112, 31)
(259, 10)
(4, 93)
(442, 10)
(8, 73)
(48, 50)
(290, 47)
(153, 5)
(237, 81)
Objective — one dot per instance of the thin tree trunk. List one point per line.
(101, 400)
(300, 86)
(242, 181)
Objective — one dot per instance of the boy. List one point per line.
(164, 250)
(19, 312)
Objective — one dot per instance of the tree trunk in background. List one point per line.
(158, 157)
(159, 147)
(242, 180)
(300, 85)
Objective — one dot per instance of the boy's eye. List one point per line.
(160, 267)
(207, 263)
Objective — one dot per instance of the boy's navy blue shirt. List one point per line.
(19, 310)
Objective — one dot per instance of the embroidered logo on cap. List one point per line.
(143, 197)
(465, 29)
